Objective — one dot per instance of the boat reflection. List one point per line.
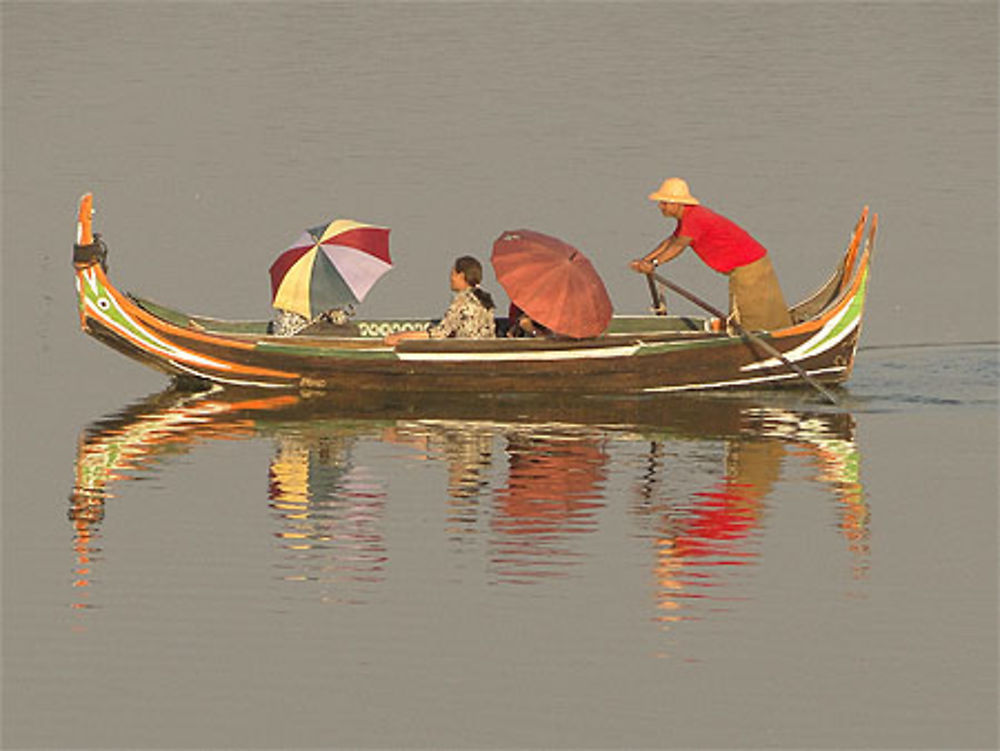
(703, 538)
(529, 481)
(549, 491)
(127, 445)
(329, 513)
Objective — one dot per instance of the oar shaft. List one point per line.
(658, 306)
(689, 295)
(766, 346)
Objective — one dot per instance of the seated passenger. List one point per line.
(470, 315)
(287, 323)
(520, 324)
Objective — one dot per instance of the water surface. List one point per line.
(284, 570)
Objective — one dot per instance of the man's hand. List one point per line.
(642, 266)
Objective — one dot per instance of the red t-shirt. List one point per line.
(720, 243)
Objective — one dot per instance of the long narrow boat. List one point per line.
(637, 354)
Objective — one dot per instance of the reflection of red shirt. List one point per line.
(718, 242)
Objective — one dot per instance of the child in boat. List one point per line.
(470, 315)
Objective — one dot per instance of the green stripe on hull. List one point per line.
(307, 351)
(850, 318)
(659, 348)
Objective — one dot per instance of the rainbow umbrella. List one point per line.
(330, 266)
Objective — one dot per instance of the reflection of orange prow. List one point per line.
(84, 235)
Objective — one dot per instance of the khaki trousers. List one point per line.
(755, 297)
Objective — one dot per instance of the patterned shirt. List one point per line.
(466, 318)
(287, 323)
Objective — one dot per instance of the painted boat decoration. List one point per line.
(637, 354)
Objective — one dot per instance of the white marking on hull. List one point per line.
(743, 381)
(550, 354)
(811, 347)
(91, 277)
(231, 381)
(152, 341)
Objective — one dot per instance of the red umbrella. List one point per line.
(552, 282)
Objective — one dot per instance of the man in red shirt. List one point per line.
(755, 298)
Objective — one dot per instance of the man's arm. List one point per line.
(666, 251)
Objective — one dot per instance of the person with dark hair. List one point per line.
(470, 315)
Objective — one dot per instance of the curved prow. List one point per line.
(870, 246)
(837, 284)
(852, 250)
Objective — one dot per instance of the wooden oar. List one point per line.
(746, 334)
(659, 305)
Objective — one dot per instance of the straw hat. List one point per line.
(674, 190)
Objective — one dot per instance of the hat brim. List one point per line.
(660, 198)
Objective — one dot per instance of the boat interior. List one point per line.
(378, 328)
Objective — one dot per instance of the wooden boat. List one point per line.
(637, 354)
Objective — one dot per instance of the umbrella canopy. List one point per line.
(330, 266)
(552, 282)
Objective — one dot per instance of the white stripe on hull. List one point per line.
(742, 381)
(140, 332)
(551, 354)
(215, 377)
(817, 343)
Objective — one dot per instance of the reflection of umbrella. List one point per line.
(329, 267)
(551, 482)
(552, 282)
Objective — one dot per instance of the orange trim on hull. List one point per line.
(852, 249)
(274, 402)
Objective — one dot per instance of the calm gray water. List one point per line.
(258, 571)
